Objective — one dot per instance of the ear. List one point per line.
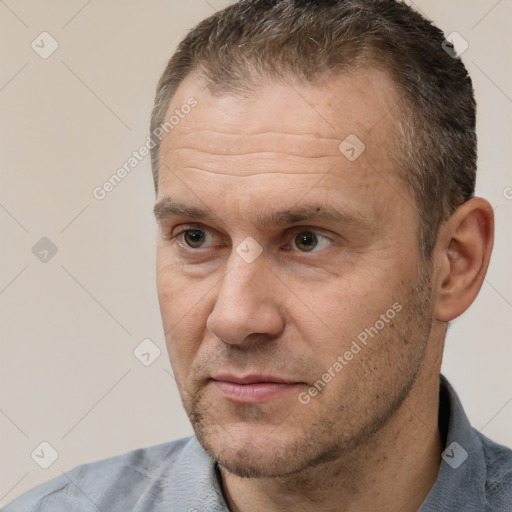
(462, 254)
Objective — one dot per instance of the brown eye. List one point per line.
(310, 241)
(194, 237)
(306, 241)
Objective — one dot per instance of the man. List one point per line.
(314, 164)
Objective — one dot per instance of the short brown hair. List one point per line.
(260, 41)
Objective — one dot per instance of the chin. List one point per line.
(247, 459)
(246, 447)
(262, 451)
(250, 441)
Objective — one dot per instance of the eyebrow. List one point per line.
(171, 207)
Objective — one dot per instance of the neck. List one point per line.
(394, 470)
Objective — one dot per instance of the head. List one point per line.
(316, 206)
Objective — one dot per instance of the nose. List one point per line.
(247, 303)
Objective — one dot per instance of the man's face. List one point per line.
(257, 314)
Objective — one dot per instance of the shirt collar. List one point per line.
(460, 484)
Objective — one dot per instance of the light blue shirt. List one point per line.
(475, 476)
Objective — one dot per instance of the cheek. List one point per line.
(183, 307)
(350, 312)
(183, 340)
(175, 294)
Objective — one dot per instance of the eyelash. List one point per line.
(296, 231)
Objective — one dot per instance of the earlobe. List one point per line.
(463, 252)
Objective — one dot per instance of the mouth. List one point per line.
(253, 389)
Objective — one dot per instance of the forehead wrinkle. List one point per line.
(263, 133)
(247, 153)
(251, 163)
(235, 168)
(242, 144)
(250, 175)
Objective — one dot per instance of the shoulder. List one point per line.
(498, 481)
(116, 482)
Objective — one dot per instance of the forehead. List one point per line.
(283, 130)
(361, 102)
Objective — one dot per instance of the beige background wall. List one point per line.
(69, 325)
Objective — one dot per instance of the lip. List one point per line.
(252, 378)
(252, 388)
